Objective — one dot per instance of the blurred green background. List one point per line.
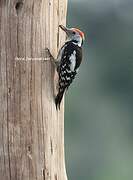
(99, 104)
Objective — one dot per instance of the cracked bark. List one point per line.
(31, 130)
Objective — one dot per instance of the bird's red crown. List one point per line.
(80, 32)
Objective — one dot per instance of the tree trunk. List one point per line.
(31, 130)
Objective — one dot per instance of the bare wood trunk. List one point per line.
(31, 130)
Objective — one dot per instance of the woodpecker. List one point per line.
(68, 60)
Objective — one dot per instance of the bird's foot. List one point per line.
(47, 51)
(53, 60)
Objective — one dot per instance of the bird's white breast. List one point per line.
(73, 60)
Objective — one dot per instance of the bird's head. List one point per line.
(74, 34)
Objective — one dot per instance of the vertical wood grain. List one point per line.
(31, 130)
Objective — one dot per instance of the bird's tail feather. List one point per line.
(58, 99)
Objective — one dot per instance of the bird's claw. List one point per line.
(48, 52)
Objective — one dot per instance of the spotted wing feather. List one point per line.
(70, 60)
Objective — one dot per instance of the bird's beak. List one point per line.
(66, 30)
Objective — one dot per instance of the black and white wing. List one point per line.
(70, 57)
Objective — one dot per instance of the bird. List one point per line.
(68, 60)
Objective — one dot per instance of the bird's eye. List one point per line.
(73, 33)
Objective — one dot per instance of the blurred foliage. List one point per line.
(99, 104)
